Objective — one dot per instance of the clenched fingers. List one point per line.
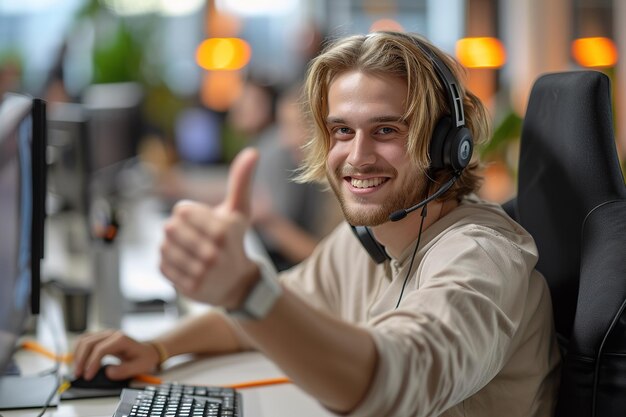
(89, 352)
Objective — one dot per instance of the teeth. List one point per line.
(370, 182)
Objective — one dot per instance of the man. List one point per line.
(453, 321)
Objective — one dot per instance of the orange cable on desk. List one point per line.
(38, 348)
(260, 383)
(148, 379)
(151, 379)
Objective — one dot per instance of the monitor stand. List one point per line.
(19, 391)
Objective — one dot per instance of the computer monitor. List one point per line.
(91, 146)
(90, 142)
(15, 222)
(67, 166)
(39, 144)
(22, 217)
(114, 128)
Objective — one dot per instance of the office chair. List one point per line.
(572, 198)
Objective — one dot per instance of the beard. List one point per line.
(360, 211)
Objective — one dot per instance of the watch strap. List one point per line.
(261, 297)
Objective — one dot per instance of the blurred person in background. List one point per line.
(251, 119)
(54, 88)
(289, 217)
(10, 75)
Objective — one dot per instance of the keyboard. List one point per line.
(179, 400)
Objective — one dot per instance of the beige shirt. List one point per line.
(473, 334)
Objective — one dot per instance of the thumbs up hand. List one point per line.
(203, 253)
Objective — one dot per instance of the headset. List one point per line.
(451, 148)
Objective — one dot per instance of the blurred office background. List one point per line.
(192, 57)
(182, 85)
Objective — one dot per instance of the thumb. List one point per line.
(240, 181)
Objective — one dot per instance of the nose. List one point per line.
(361, 151)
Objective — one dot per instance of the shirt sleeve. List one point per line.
(452, 332)
(315, 279)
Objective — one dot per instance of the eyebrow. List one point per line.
(377, 119)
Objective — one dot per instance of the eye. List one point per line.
(341, 132)
(386, 130)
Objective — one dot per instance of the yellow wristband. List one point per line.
(161, 351)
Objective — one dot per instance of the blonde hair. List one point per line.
(397, 55)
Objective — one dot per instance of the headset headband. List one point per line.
(448, 81)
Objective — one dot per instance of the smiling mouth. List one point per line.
(366, 183)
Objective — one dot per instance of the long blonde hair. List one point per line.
(398, 55)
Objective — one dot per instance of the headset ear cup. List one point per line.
(371, 245)
(450, 147)
(461, 149)
(438, 143)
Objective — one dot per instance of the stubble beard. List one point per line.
(412, 191)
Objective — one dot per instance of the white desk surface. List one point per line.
(274, 400)
(267, 401)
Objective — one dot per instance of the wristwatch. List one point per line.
(261, 298)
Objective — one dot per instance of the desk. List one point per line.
(271, 401)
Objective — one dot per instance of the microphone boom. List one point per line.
(402, 213)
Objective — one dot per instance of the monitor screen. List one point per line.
(22, 179)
